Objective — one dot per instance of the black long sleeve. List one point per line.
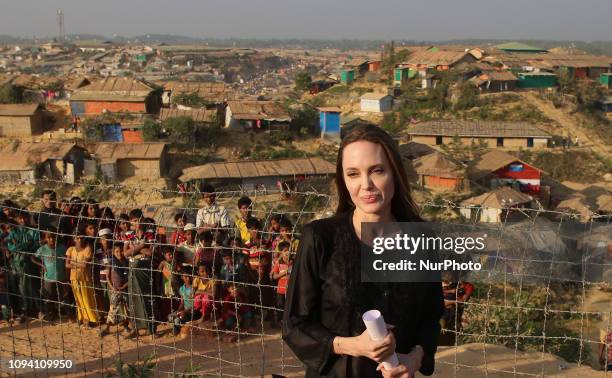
(429, 328)
(302, 330)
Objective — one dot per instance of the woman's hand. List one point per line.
(364, 346)
(409, 364)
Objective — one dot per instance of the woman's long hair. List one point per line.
(403, 207)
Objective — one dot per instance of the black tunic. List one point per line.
(326, 298)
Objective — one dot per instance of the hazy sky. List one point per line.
(328, 19)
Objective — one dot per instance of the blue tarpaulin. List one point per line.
(112, 133)
(77, 108)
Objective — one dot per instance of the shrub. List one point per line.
(11, 94)
(280, 137)
(522, 319)
(191, 99)
(303, 81)
(468, 97)
(151, 130)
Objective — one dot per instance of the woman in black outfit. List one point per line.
(326, 298)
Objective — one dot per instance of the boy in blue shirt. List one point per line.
(51, 258)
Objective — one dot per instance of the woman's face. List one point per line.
(368, 177)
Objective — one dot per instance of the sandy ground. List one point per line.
(210, 353)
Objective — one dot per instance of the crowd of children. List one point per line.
(75, 260)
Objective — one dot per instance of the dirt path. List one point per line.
(597, 301)
(207, 354)
(569, 124)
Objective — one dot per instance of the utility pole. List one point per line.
(60, 24)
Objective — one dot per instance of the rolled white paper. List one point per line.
(377, 329)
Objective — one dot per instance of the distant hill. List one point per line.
(594, 47)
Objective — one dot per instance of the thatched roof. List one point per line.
(113, 89)
(500, 198)
(437, 164)
(413, 150)
(108, 152)
(492, 161)
(254, 110)
(485, 129)
(18, 110)
(261, 168)
(198, 115)
(593, 199)
(26, 154)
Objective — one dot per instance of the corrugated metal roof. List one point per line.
(198, 115)
(477, 129)
(16, 110)
(26, 154)
(114, 151)
(266, 168)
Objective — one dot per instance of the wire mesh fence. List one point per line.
(116, 279)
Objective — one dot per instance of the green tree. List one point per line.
(11, 94)
(93, 128)
(466, 153)
(390, 123)
(181, 130)
(588, 97)
(304, 121)
(192, 100)
(567, 83)
(303, 81)
(468, 97)
(151, 130)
